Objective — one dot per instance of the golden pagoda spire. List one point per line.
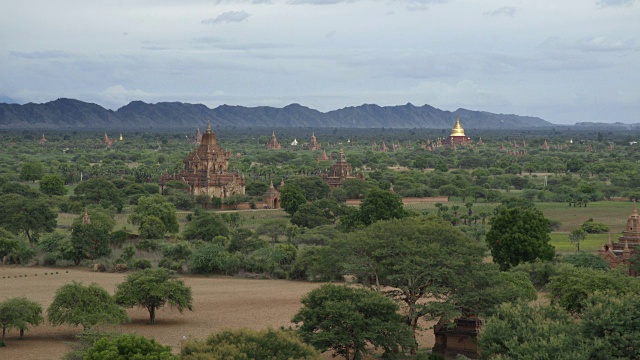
(209, 131)
(457, 129)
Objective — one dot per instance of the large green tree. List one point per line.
(90, 240)
(152, 289)
(381, 205)
(249, 344)
(348, 320)
(291, 197)
(158, 206)
(76, 304)
(31, 171)
(30, 217)
(519, 235)
(205, 226)
(312, 186)
(52, 185)
(19, 313)
(99, 191)
(416, 261)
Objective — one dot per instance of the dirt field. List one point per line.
(219, 303)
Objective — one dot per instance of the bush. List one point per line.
(592, 227)
(209, 259)
(148, 245)
(539, 272)
(140, 264)
(118, 238)
(586, 260)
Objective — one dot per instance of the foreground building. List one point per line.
(457, 136)
(206, 170)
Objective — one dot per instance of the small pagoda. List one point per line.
(323, 157)
(340, 172)
(108, 141)
(627, 245)
(457, 136)
(271, 197)
(273, 143)
(42, 140)
(206, 170)
(313, 144)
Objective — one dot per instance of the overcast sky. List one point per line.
(565, 61)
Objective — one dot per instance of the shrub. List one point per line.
(140, 264)
(208, 259)
(592, 227)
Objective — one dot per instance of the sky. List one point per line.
(565, 61)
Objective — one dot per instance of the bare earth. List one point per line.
(219, 303)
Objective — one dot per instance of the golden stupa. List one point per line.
(457, 129)
(457, 136)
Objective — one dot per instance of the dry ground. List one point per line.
(219, 303)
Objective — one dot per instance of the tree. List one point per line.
(355, 188)
(381, 205)
(611, 322)
(571, 287)
(291, 197)
(312, 186)
(577, 235)
(441, 166)
(152, 289)
(52, 185)
(521, 331)
(31, 171)
(249, 344)
(128, 346)
(519, 235)
(205, 226)
(415, 258)
(30, 217)
(152, 227)
(13, 250)
(90, 240)
(76, 304)
(19, 313)
(274, 229)
(348, 319)
(158, 206)
(99, 191)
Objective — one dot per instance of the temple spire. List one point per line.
(86, 220)
(635, 208)
(209, 127)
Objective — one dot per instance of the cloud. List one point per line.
(591, 44)
(505, 10)
(45, 54)
(227, 17)
(615, 3)
(220, 43)
(117, 95)
(331, 35)
(319, 2)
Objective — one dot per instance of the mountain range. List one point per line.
(70, 113)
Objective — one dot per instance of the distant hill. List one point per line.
(69, 113)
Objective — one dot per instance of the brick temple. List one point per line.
(206, 170)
